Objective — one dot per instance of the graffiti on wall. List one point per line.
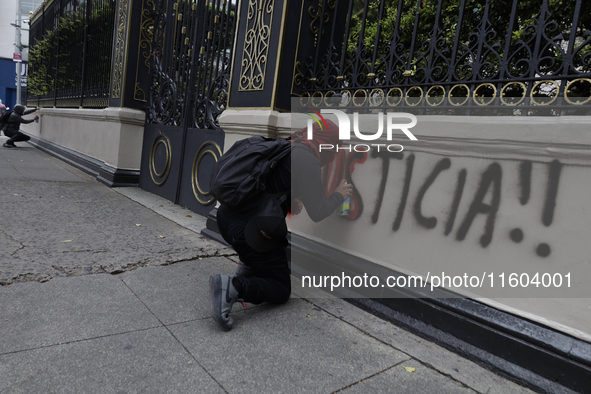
(485, 200)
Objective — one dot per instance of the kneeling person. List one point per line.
(12, 128)
(259, 237)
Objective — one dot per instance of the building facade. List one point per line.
(494, 182)
(8, 68)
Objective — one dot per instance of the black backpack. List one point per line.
(4, 119)
(238, 176)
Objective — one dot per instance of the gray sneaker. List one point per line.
(223, 295)
(243, 270)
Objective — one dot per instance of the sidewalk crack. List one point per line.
(174, 336)
(367, 378)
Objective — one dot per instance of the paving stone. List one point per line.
(291, 348)
(458, 368)
(33, 314)
(147, 361)
(178, 293)
(416, 379)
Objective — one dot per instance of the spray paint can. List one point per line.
(345, 206)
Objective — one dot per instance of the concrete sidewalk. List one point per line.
(106, 291)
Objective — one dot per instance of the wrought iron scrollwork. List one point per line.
(430, 56)
(256, 45)
(190, 63)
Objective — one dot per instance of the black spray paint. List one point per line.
(491, 177)
(551, 192)
(431, 222)
(385, 156)
(456, 201)
(490, 184)
(409, 167)
(525, 181)
(352, 158)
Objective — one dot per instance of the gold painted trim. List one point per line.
(327, 96)
(373, 103)
(168, 162)
(279, 54)
(296, 62)
(427, 97)
(406, 97)
(120, 46)
(195, 170)
(256, 46)
(484, 103)
(467, 95)
(125, 66)
(349, 95)
(520, 100)
(37, 12)
(146, 35)
(354, 96)
(531, 93)
(566, 91)
(388, 96)
(305, 99)
(319, 99)
(234, 57)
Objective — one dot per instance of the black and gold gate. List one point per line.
(190, 66)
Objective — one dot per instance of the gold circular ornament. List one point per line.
(305, 99)
(316, 99)
(567, 91)
(327, 98)
(418, 99)
(503, 92)
(451, 91)
(476, 97)
(346, 95)
(376, 97)
(359, 97)
(438, 100)
(393, 100)
(161, 139)
(533, 99)
(195, 170)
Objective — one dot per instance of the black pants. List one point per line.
(15, 136)
(271, 281)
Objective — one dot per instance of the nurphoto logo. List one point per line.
(344, 124)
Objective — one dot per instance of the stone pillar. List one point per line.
(130, 82)
(262, 69)
(132, 43)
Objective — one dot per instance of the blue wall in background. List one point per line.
(7, 85)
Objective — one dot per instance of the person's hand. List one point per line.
(296, 206)
(36, 117)
(345, 190)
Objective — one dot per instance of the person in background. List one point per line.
(12, 128)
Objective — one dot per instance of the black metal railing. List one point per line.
(70, 55)
(492, 57)
(192, 53)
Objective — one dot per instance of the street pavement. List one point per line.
(106, 291)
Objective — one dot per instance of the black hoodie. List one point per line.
(16, 118)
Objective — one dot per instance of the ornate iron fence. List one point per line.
(492, 57)
(192, 53)
(70, 56)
